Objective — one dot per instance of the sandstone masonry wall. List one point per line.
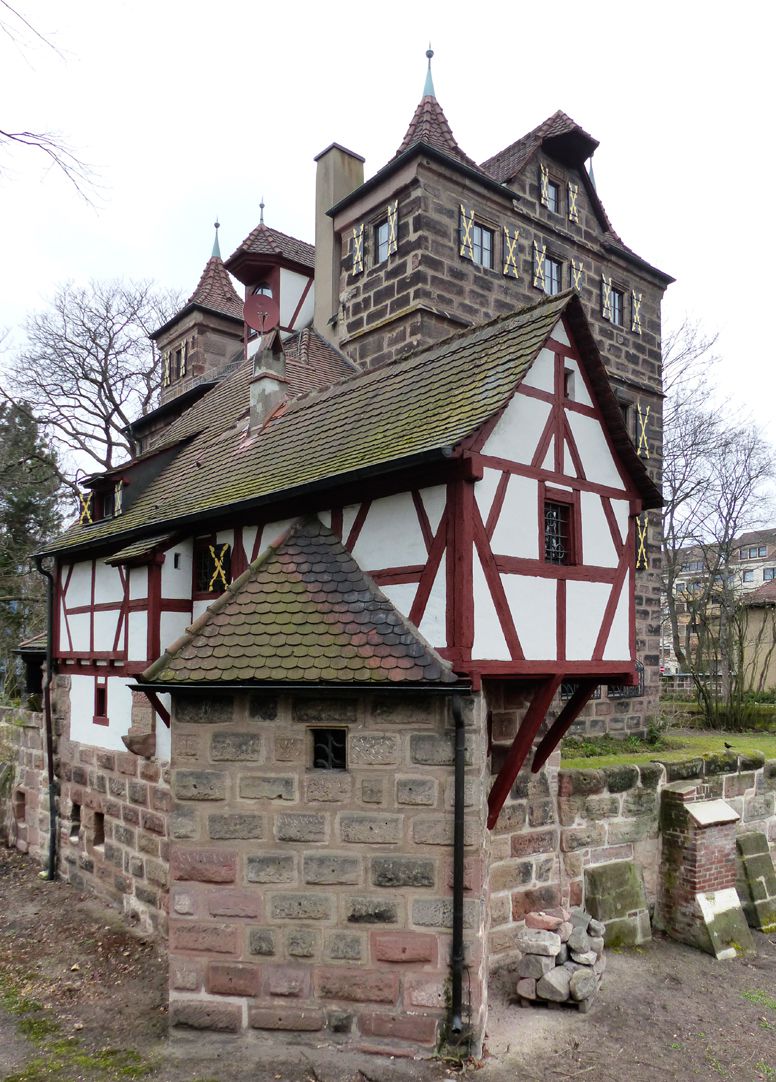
(24, 800)
(306, 899)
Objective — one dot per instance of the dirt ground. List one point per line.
(83, 998)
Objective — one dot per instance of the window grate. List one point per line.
(329, 749)
(625, 691)
(557, 533)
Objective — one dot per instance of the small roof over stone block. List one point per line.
(303, 613)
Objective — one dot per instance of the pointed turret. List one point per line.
(214, 289)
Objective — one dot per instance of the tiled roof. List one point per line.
(429, 125)
(312, 363)
(509, 162)
(763, 595)
(215, 290)
(139, 548)
(423, 405)
(33, 645)
(304, 612)
(756, 537)
(264, 240)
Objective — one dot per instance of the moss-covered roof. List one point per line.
(424, 405)
(303, 613)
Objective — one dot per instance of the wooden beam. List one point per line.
(156, 703)
(563, 723)
(521, 745)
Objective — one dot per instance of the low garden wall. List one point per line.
(24, 806)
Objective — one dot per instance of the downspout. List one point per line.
(52, 853)
(456, 1006)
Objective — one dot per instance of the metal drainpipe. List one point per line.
(52, 854)
(456, 1007)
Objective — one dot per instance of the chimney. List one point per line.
(268, 384)
(339, 172)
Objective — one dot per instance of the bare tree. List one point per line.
(88, 368)
(716, 474)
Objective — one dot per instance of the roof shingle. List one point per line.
(305, 613)
(215, 290)
(264, 240)
(429, 125)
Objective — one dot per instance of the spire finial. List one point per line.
(216, 253)
(261, 208)
(428, 89)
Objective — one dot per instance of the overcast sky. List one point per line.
(187, 110)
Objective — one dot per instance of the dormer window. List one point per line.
(264, 289)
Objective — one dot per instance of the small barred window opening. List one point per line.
(557, 533)
(330, 749)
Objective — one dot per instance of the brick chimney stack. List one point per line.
(339, 172)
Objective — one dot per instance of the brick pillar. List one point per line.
(698, 903)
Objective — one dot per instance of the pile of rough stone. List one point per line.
(562, 958)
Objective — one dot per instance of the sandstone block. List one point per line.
(271, 868)
(300, 907)
(544, 921)
(403, 872)
(371, 911)
(302, 943)
(232, 979)
(416, 791)
(331, 868)
(582, 984)
(204, 709)
(584, 958)
(438, 913)
(372, 790)
(264, 707)
(184, 823)
(235, 826)
(531, 842)
(357, 986)
(535, 965)
(300, 827)
(204, 865)
(233, 903)
(329, 786)
(579, 940)
(374, 749)
(198, 1014)
(199, 785)
(537, 941)
(368, 827)
(526, 988)
(325, 711)
(554, 985)
(235, 747)
(253, 787)
(284, 980)
(288, 748)
(596, 927)
(399, 1027)
(206, 938)
(403, 947)
(431, 749)
(261, 941)
(344, 947)
(309, 1019)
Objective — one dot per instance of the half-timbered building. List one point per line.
(370, 563)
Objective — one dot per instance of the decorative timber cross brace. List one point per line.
(635, 312)
(218, 566)
(606, 297)
(577, 270)
(526, 734)
(85, 518)
(642, 525)
(510, 252)
(358, 248)
(393, 226)
(642, 448)
(538, 268)
(465, 230)
(118, 495)
(544, 185)
(573, 210)
(166, 368)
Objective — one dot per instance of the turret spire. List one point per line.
(216, 253)
(428, 89)
(261, 211)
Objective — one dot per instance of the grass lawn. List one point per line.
(679, 744)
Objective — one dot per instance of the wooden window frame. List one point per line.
(482, 229)
(553, 185)
(550, 494)
(617, 309)
(100, 715)
(204, 544)
(551, 260)
(381, 242)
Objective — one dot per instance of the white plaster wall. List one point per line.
(489, 642)
(273, 531)
(64, 641)
(107, 583)
(597, 460)
(597, 545)
(532, 602)
(433, 626)
(325, 518)
(618, 644)
(485, 491)
(105, 630)
(517, 529)
(434, 500)
(198, 607)
(559, 333)
(138, 582)
(621, 510)
(176, 582)
(390, 536)
(80, 625)
(568, 462)
(517, 431)
(581, 393)
(585, 604)
(83, 729)
(137, 636)
(291, 287)
(541, 374)
(249, 538)
(348, 518)
(171, 626)
(163, 735)
(79, 592)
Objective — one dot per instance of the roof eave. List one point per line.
(192, 306)
(407, 155)
(443, 687)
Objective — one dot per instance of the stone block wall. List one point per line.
(24, 800)
(308, 900)
(113, 822)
